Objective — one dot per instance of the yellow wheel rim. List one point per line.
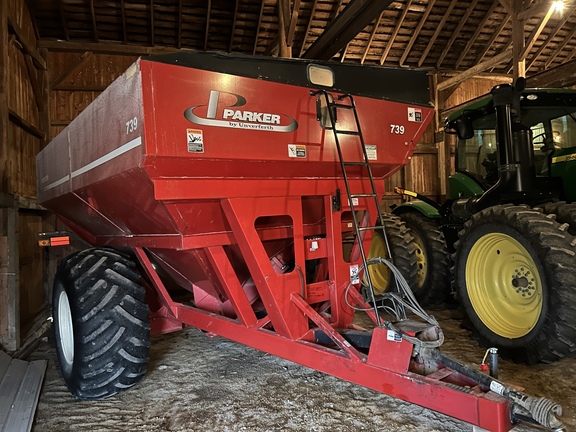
(504, 285)
(379, 273)
(422, 262)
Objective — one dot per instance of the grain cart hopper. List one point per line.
(217, 192)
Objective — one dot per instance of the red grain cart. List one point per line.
(213, 191)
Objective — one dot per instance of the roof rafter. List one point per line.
(236, 4)
(437, 32)
(63, 19)
(208, 9)
(151, 22)
(258, 26)
(372, 35)
(305, 37)
(124, 30)
(416, 32)
(179, 28)
(472, 40)
(395, 33)
(551, 36)
(456, 32)
(93, 16)
(495, 36)
(560, 47)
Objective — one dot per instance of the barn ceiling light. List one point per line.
(558, 5)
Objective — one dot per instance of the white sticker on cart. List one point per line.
(296, 151)
(496, 387)
(415, 115)
(195, 140)
(354, 274)
(391, 335)
(371, 152)
(353, 203)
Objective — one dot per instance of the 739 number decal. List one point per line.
(397, 129)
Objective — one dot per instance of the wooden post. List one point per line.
(9, 281)
(518, 40)
(3, 94)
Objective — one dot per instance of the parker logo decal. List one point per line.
(228, 114)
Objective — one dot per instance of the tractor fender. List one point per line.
(417, 206)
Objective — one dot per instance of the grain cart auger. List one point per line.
(213, 192)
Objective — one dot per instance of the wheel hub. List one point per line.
(503, 285)
(65, 328)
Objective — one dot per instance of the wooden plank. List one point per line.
(69, 69)
(308, 27)
(207, 29)
(105, 48)
(25, 124)
(396, 31)
(416, 32)
(24, 405)
(372, 35)
(436, 32)
(9, 280)
(479, 29)
(456, 33)
(3, 91)
(257, 32)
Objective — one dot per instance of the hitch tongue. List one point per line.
(536, 410)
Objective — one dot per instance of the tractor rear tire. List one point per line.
(101, 323)
(514, 269)
(565, 213)
(433, 285)
(403, 255)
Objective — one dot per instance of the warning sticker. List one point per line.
(391, 335)
(296, 151)
(371, 152)
(354, 274)
(195, 140)
(415, 115)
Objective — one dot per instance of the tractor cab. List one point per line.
(549, 119)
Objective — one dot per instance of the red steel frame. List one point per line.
(385, 368)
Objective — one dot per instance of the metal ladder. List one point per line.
(332, 108)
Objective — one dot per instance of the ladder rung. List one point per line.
(346, 132)
(369, 228)
(356, 163)
(344, 106)
(366, 195)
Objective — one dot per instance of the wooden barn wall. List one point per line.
(23, 293)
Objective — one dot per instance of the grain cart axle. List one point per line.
(211, 187)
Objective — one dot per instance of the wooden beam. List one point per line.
(535, 10)
(560, 47)
(352, 20)
(208, 9)
(9, 279)
(283, 13)
(69, 69)
(44, 110)
(25, 125)
(456, 33)
(105, 48)
(236, 4)
(536, 33)
(481, 67)
(507, 5)
(63, 19)
(34, 82)
(479, 29)
(344, 52)
(93, 17)
(293, 21)
(395, 32)
(551, 36)
(416, 32)
(372, 35)
(560, 76)
(179, 27)
(151, 22)
(257, 32)
(495, 35)
(437, 32)
(27, 47)
(124, 30)
(312, 12)
(518, 42)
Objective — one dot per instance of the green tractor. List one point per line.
(505, 239)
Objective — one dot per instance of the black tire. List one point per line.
(403, 255)
(100, 322)
(514, 270)
(565, 213)
(433, 260)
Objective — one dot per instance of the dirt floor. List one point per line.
(197, 383)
